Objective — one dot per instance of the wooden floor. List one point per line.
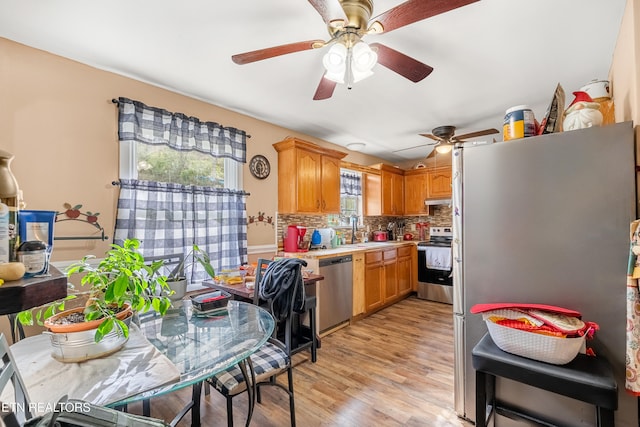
(394, 368)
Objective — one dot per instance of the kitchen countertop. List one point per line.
(348, 249)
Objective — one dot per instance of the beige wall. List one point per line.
(624, 75)
(625, 65)
(59, 122)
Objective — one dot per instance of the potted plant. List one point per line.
(120, 282)
(176, 278)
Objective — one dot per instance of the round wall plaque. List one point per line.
(259, 166)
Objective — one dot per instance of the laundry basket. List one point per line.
(545, 348)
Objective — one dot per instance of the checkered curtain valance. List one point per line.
(150, 125)
(170, 218)
(350, 184)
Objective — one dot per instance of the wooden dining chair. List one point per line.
(274, 357)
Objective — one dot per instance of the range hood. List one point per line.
(434, 202)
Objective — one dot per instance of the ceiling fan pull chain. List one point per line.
(349, 71)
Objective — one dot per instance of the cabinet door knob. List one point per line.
(318, 204)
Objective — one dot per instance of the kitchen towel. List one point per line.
(438, 258)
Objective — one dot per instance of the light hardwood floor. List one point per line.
(393, 368)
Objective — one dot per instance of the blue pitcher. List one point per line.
(316, 238)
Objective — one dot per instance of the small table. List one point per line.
(301, 335)
(199, 347)
(23, 294)
(241, 291)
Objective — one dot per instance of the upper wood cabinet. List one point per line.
(308, 177)
(416, 183)
(439, 183)
(372, 193)
(384, 193)
(423, 184)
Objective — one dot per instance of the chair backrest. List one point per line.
(175, 260)
(9, 372)
(259, 273)
(267, 272)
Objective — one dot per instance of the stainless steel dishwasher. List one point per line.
(335, 292)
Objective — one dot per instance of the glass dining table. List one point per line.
(201, 346)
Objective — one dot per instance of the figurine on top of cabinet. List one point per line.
(582, 113)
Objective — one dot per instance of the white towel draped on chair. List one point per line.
(438, 258)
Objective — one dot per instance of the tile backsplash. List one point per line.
(441, 217)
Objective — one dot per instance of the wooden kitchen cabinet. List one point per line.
(372, 193)
(416, 190)
(384, 194)
(423, 184)
(439, 185)
(392, 193)
(358, 284)
(405, 269)
(373, 281)
(308, 177)
(390, 264)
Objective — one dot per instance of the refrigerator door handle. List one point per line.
(459, 366)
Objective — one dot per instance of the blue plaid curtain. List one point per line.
(170, 218)
(150, 125)
(350, 184)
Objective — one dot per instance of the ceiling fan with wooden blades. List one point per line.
(445, 138)
(349, 59)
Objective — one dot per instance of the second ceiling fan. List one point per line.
(445, 138)
(349, 59)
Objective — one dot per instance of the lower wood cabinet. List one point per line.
(358, 284)
(373, 279)
(390, 265)
(388, 276)
(405, 270)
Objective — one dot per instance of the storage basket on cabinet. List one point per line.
(545, 348)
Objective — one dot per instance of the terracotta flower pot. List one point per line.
(82, 326)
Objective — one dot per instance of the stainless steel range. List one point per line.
(435, 263)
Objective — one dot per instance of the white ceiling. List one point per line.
(487, 57)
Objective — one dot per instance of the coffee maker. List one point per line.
(294, 237)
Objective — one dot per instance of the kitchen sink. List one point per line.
(368, 244)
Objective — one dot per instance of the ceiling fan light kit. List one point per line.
(349, 64)
(350, 59)
(444, 148)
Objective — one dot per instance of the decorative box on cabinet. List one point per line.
(308, 177)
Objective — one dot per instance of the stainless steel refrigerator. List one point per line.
(545, 220)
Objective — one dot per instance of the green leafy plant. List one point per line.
(122, 277)
(196, 255)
